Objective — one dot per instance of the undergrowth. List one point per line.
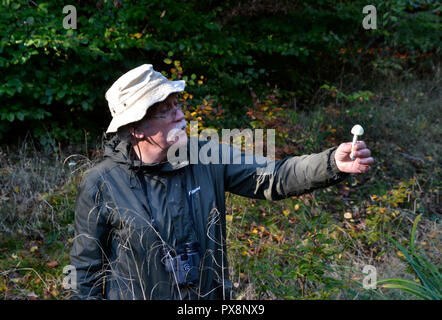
(309, 247)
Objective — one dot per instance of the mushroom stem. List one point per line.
(357, 130)
(353, 145)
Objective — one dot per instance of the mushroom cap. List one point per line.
(358, 130)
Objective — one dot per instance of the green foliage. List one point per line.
(430, 278)
(58, 77)
(284, 248)
(353, 97)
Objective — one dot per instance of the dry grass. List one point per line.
(268, 242)
(403, 131)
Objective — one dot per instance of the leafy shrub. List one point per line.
(54, 79)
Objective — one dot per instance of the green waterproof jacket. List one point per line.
(127, 211)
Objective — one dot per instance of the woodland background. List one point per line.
(305, 68)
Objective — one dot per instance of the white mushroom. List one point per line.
(357, 130)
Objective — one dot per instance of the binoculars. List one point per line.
(184, 263)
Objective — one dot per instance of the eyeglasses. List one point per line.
(169, 113)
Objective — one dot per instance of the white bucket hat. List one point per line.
(134, 92)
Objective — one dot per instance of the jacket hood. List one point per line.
(122, 152)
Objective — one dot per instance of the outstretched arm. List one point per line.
(276, 180)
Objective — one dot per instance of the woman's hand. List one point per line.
(362, 162)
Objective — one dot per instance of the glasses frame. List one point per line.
(170, 113)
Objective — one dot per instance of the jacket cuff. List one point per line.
(332, 168)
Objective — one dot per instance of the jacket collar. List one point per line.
(122, 152)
